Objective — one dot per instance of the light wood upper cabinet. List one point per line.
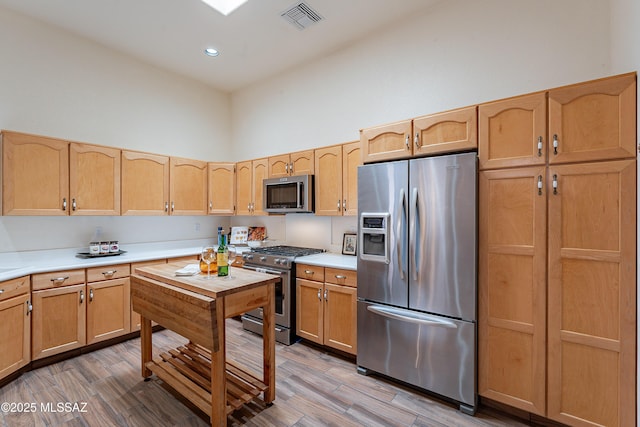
(592, 294)
(222, 188)
(188, 186)
(94, 180)
(455, 130)
(15, 325)
(449, 131)
(35, 175)
(336, 179)
(512, 283)
(298, 163)
(593, 121)
(512, 132)
(249, 177)
(386, 142)
(351, 159)
(145, 184)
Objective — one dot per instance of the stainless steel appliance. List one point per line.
(288, 194)
(417, 285)
(277, 260)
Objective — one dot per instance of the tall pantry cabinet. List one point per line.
(557, 268)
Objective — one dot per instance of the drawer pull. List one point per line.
(1, 291)
(109, 273)
(58, 280)
(340, 276)
(309, 272)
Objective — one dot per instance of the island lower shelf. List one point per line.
(187, 369)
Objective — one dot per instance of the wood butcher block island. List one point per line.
(196, 307)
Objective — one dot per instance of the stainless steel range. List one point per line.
(277, 260)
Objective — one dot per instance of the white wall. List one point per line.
(53, 83)
(459, 53)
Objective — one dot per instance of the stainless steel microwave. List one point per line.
(291, 194)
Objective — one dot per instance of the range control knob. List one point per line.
(247, 257)
(276, 261)
(263, 258)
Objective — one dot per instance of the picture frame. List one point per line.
(349, 244)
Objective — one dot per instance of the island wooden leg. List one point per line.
(218, 374)
(269, 345)
(146, 346)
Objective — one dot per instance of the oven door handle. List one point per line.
(264, 270)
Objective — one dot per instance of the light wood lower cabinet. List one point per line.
(108, 305)
(59, 320)
(326, 310)
(15, 325)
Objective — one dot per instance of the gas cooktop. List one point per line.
(284, 250)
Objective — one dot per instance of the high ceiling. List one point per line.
(254, 41)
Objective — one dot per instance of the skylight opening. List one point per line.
(225, 7)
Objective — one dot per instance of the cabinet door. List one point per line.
(340, 317)
(145, 184)
(302, 163)
(512, 131)
(387, 142)
(328, 181)
(351, 159)
(244, 175)
(260, 173)
(455, 130)
(222, 188)
(108, 309)
(35, 175)
(592, 294)
(188, 186)
(59, 320)
(279, 166)
(15, 334)
(94, 180)
(593, 121)
(512, 287)
(309, 310)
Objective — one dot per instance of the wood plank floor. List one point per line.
(314, 388)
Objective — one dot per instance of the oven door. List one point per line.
(282, 299)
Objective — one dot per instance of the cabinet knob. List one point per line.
(90, 295)
(73, 204)
(555, 184)
(81, 297)
(29, 307)
(326, 298)
(406, 142)
(319, 294)
(64, 204)
(555, 144)
(539, 146)
(416, 140)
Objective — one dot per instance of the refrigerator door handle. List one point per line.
(399, 239)
(413, 256)
(410, 316)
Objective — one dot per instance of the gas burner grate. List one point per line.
(283, 250)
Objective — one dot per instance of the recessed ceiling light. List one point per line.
(211, 52)
(225, 7)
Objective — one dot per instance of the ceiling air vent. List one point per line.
(301, 15)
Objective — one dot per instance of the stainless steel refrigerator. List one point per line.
(417, 284)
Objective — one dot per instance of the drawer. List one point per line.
(310, 272)
(14, 287)
(57, 279)
(341, 277)
(96, 274)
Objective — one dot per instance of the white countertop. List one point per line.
(17, 264)
(326, 259)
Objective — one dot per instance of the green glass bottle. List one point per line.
(223, 254)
